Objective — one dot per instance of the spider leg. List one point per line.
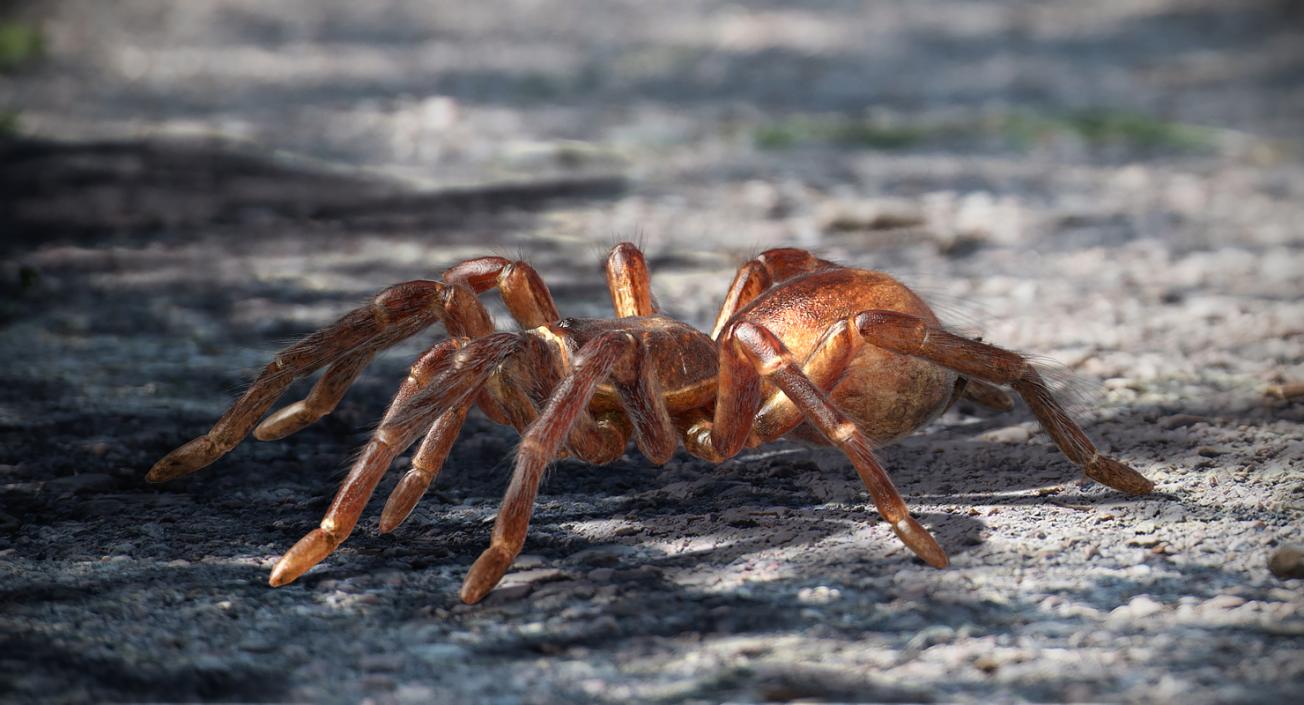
(758, 274)
(596, 442)
(426, 464)
(599, 440)
(520, 287)
(463, 316)
(773, 360)
(322, 400)
(444, 378)
(645, 406)
(435, 447)
(988, 395)
(529, 302)
(738, 396)
(396, 313)
(629, 282)
(910, 335)
(539, 446)
(824, 366)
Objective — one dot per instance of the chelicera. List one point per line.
(802, 347)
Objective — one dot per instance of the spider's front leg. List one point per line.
(441, 385)
(539, 447)
(396, 313)
(624, 359)
(349, 345)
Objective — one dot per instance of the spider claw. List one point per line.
(1111, 473)
(917, 539)
(308, 552)
(190, 457)
(284, 422)
(488, 569)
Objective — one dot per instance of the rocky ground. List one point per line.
(1116, 185)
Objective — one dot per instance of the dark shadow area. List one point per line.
(45, 665)
(130, 194)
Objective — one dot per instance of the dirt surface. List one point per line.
(1115, 185)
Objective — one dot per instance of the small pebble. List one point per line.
(1287, 562)
(509, 593)
(534, 577)
(1179, 421)
(1138, 608)
(1224, 602)
(1009, 434)
(527, 561)
(821, 595)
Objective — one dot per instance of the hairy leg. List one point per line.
(824, 367)
(426, 464)
(758, 274)
(539, 447)
(738, 396)
(442, 379)
(522, 289)
(629, 282)
(773, 360)
(988, 395)
(348, 345)
(396, 313)
(528, 301)
(910, 335)
(534, 365)
(322, 400)
(645, 406)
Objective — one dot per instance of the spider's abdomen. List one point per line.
(888, 394)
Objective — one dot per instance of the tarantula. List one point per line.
(802, 347)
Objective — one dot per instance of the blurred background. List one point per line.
(1118, 185)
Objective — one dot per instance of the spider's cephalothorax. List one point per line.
(801, 346)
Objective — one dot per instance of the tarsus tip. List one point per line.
(285, 422)
(403, 500)
(184, 460)
(486, 573)
(302, 556)
(1111, 473)
(917, 539)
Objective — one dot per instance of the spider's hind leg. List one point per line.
(911, 335)
(760, 273)
(772, 360)
(987, 395)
